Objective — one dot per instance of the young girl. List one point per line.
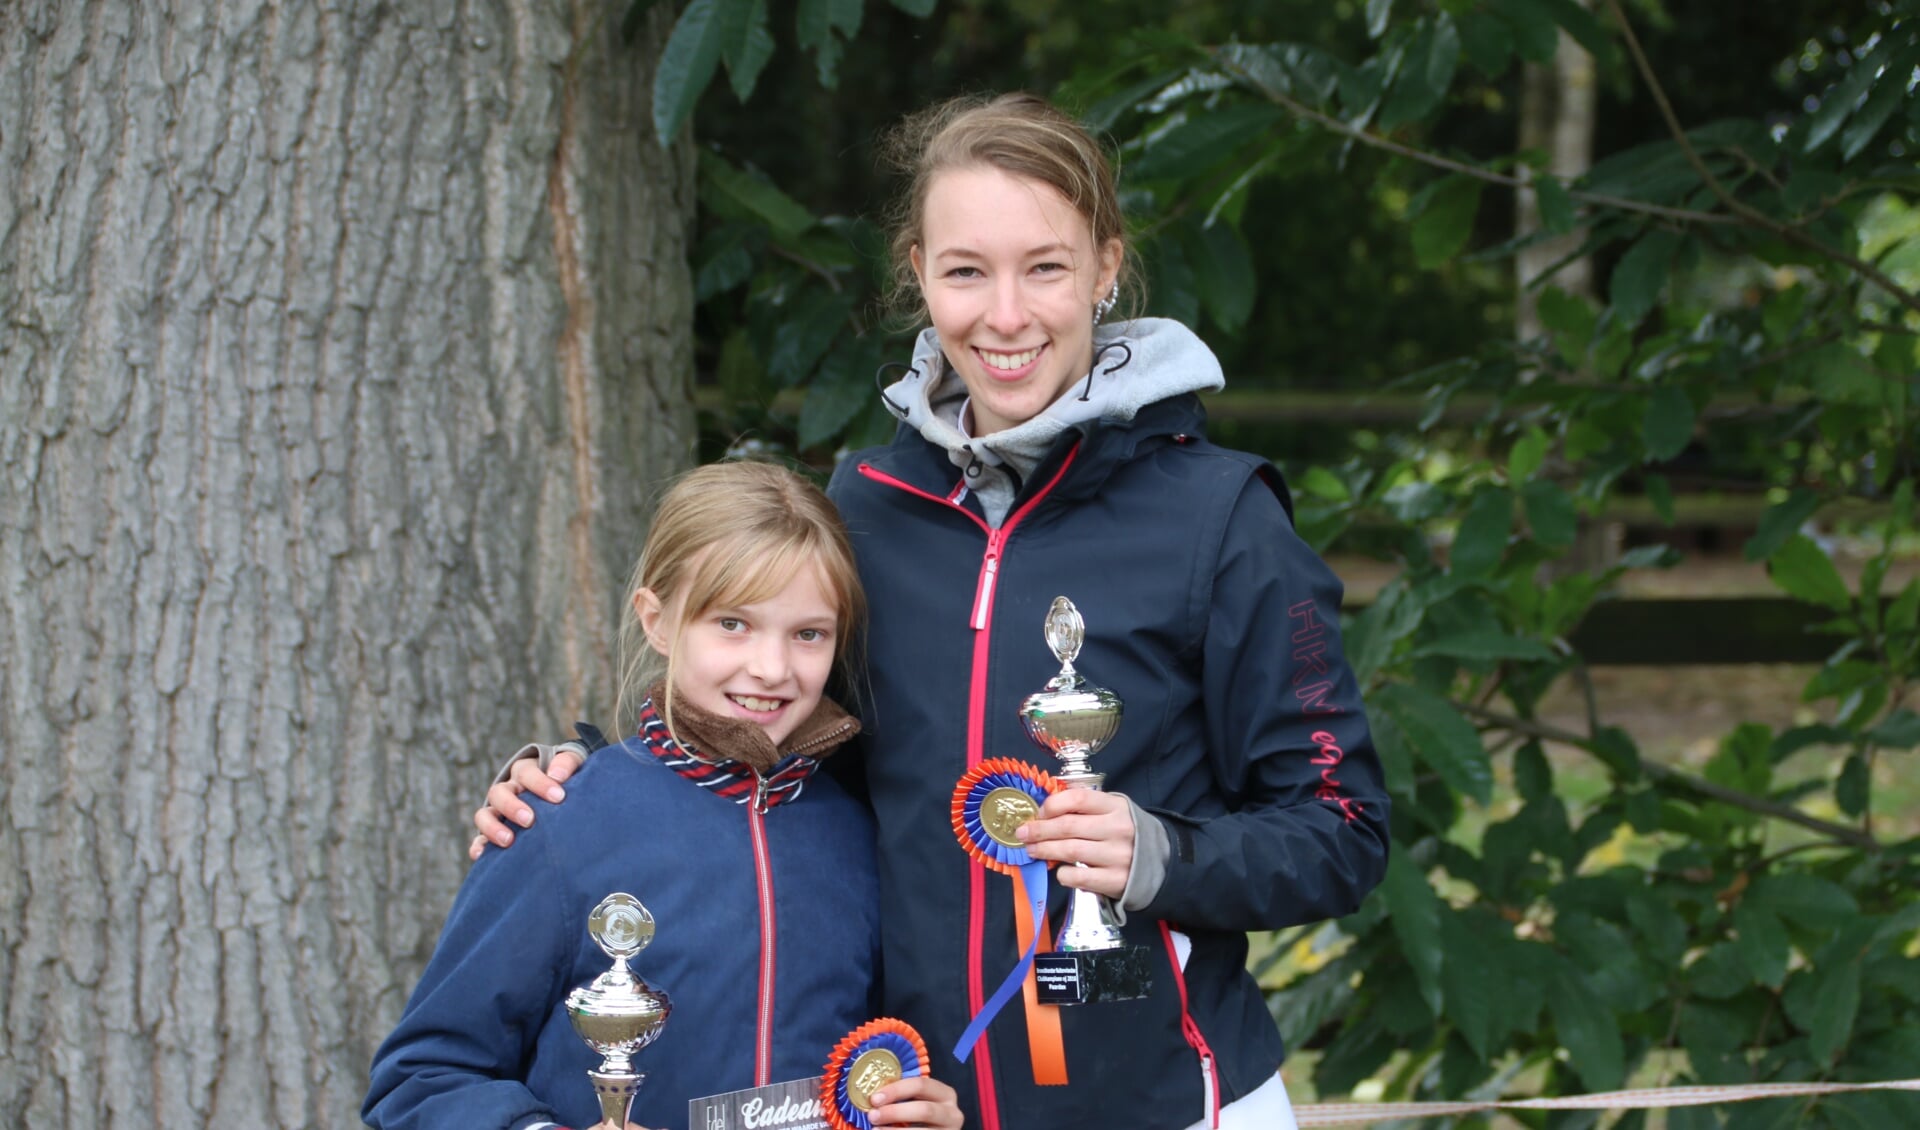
(758, 870)
(1049, 450)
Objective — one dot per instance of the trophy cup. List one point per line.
(618, 1014)
(1072, 719)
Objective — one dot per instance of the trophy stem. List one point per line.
(615, 1090)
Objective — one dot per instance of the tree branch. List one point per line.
(1682, 779)
(1334, 125)
(1745, 211)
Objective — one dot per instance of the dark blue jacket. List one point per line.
(1218, 628)
(485, 1043)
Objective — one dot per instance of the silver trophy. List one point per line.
(1072, 719)
(618, 1014)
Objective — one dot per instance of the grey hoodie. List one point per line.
(1167, 359)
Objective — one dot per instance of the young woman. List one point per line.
(1049, 451)
(758, 870)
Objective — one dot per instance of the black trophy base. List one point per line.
(1093, 976)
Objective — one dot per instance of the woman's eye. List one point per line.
(811, 635)
(964, 273)
(1050, 268)
(731, 623)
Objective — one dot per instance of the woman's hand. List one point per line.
(920, 1100)
(1086, 827)
(504, 803)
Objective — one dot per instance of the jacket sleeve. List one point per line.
(459, 1053)
(1304, 837)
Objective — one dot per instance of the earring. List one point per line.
(1105, 305)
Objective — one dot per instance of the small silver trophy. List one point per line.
(1072, 719)
(618, 1014)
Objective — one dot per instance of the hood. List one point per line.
(1136, 363)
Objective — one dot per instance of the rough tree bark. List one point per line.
(1557, 104)
(340, 344)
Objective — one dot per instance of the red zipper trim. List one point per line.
(1195, 1039)
(982, 622)
(763, 879)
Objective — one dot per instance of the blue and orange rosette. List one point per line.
(865, 1060)
(989, 803)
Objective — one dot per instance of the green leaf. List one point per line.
(1805, 571)
(1472, 989)
(1853, 788)
(1805, 898)
(746, 43)
(1438, 735)
(1762, 942)
(1840, 101)
(1556, 207)
(1484, 644)
(806, 328)
(820, 26)
(1481, 539)
(1586, 1028)
(1378, 13)
(1827, 1007)
(1899, 730)
(743, 380)
(686, 66)
(1550, 513)
(1781, 521)
(1444, 227)
(1202, 141)
(840, 391)
(1572, 320)
(918, 9)
(1424, 78)
(1903, 614)
(1585, 28)
(741, 189)
(1660, 495)
(1529, 451)
(1171, 280)
(1413, 910)
(1640, 276)
(1224, 271)
(1535, 35)
(1888, 92)
(1668, 425)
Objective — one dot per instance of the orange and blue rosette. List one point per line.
(865, 1060)
(989, 804)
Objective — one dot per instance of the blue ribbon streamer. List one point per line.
(902, 1050)
(1033, 874)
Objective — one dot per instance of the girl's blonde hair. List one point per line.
(1022, 135)
(726, 535)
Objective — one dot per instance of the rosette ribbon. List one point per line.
(1029, 908)
(838, 1089)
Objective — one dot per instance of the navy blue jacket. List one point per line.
(1218, 628)
(485, 1041)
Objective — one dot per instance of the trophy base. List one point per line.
(615, 1090)
(1093, 976)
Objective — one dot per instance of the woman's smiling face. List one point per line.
(1010, 275)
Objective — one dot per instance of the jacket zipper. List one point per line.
(1210, 1082)
(981, 621)
(763, 880)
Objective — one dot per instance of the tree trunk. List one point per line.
(339, 346)
(1556, 116)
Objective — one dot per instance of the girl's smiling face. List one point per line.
(766, 662)
(1010, 273)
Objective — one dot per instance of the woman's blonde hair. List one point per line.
(1022, 135)
(726, 535)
